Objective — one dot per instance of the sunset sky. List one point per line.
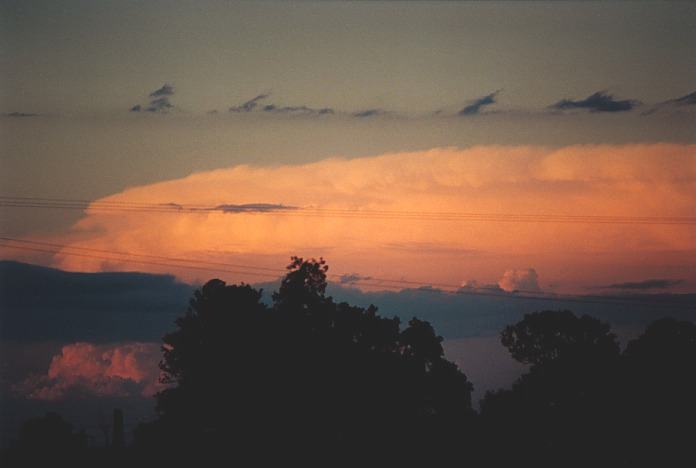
(545, 148)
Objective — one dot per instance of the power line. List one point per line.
(282, 210)
(396, 285)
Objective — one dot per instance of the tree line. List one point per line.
(312, 381)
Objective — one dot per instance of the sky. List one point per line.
(545, 148)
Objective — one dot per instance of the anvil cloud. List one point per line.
(598, 180)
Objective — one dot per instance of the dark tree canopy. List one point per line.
(584, 402)
(306, 374)
(547, 336)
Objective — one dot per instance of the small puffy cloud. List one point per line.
(85, 369)
(249, 105)
(165, 90)
(526, 280)
(597, 102)
(646, 284)
(476, 106)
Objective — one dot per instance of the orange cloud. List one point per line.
(600, 180)
(86, 369)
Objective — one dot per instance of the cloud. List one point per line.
(349, 209)
(272, 108)
(88, 370)
(20, 114)
(526, 280)
(476, 106)
(352, 278)
(597, 102)
(249, 105)
(43, 304)
(368, 113)
(680, 102)
(254, 105)
(646, 284)
(687, 100)
(160, 102)
(165, 90)
(253, 208)
(159, 105)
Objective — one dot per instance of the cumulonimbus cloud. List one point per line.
(363, 214)
(526, 280)
(85, 369)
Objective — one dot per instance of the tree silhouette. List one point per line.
(45, 441)
(566, 394)
(659, 393)
(305, 377)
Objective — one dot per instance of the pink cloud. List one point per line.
(632, 180)
(86, 369)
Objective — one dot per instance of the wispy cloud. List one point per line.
(159, 102)
(305, 110)
(159, 105)
(597, 102)
(478, 104)
(687, 100)
(249, 105)
(255, 105)
(368, 113)
(20, 114)
(680, 102)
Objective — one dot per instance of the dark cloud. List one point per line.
(254, 104)
(253, 208)
(160, 102)
(161, 105)
(303, 110)
(165, 90)
(42, 304)
(680, 102)
(476, 106)
(645, 285)
(597, 102)
(353, 278)
(688, 100)
(368, 113)
(20, 114)
(249, 105)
